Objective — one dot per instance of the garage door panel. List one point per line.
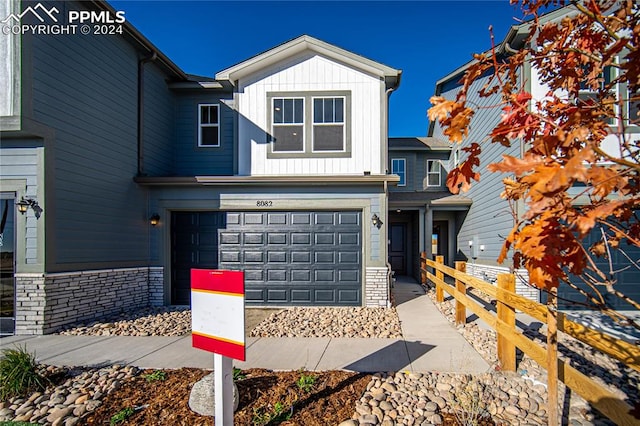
(301, 218)
(301, 238)
(325, 296)
(253, 238)
(279, 238)
(300, 276)
(276, 218)
(306, 257)
(254, 295)
(348, 296)
(299, 296)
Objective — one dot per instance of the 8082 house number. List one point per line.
(264, 203)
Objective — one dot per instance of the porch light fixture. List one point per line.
(24, 204)
(375, 220)
(154, 219)
(470, 243)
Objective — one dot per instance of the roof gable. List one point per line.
(308, 43)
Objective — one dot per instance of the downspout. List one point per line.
(390, 279)
(141, 64)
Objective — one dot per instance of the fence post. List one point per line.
(461, 311)
(440, 276)
(423, 267)
(507, 314)
(552, 357)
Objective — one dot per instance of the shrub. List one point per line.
(19, 373)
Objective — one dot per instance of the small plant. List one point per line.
(280, 413)
(19, 373)
(470, 405)
(157, 375)
(306, 381)
(238, 374)
(121, 416)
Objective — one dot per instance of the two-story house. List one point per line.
(489, 220)
(119, 172)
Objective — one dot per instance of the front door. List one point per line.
(398, 248)
(194, 244)
(7, 264)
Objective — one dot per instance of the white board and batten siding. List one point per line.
(311, 73)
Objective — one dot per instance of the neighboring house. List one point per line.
(423, 215)
(489, 219)
(136, 172)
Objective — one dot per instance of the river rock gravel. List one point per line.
(67, 403)
(291, 322)
(331, 322)
(609, 372)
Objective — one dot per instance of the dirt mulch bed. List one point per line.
(266, 397)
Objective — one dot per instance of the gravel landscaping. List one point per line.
(390, 398)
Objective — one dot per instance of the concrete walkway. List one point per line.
(429, 343)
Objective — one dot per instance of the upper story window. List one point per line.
(288, 124)
(433, 173)
(398, 167)
(588, 94)
(309, 124)
(209, 125)
(328, 124)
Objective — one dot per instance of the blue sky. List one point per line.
(426, 39)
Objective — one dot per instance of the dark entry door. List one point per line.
(398, 248)
(194, 244)
(7, 265)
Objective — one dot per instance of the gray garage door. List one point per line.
(295, 258)
(628, 278)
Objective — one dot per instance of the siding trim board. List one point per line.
(267, 180)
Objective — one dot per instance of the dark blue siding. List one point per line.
(159, 123)
(85, 88)
(191, 160)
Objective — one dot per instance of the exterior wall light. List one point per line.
(24, 204)
(375, 220)
(154, 219)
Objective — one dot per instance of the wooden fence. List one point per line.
(503, 322)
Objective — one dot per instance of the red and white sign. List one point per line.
(217, 312)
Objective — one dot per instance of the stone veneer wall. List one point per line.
(490, 274)
(376, 287)
(46, 303)
(156, 286)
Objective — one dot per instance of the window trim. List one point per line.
(308, 124)
(430, 173)
(404, 171)
(201, 125)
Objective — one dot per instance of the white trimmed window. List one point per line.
(288, 124)
(209, 125)
(587, 94)
(633, 108)
(433, 173)
(399, 167)
(328, 124)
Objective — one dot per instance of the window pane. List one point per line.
(328, 111)
(204, 114)
(213, 114)
(339, 110)
(288, 111)
(209, 136)
(287, 138)
(318, 110)
(434, 179)
(298, 111)
(433, 166)
(328, 138)
(278, 116)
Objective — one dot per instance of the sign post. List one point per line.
(217, 325)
